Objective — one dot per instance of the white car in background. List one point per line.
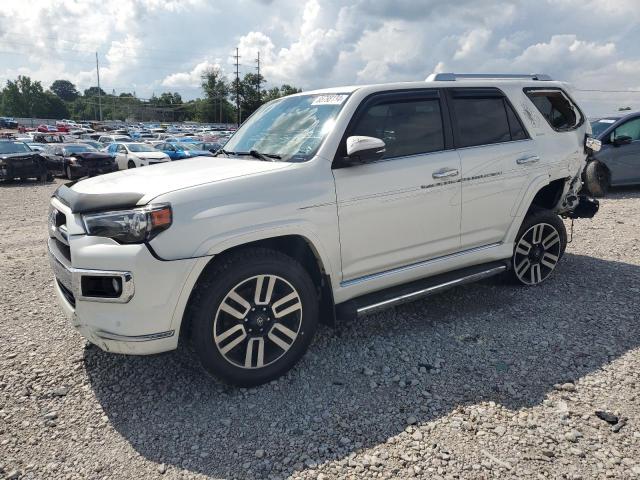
(135, 155)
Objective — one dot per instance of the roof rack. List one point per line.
(452, 77)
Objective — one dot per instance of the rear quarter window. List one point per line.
(558, 109)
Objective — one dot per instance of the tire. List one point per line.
(131, 164)
(67, 171)
(597, 178)
(247, 338)
(538, 248)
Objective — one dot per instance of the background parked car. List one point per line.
(618, 161)
(209, 146)
(108, 139)
(17, 160)
(80, 160)
(8, 122)
(182, 150)
(94, 143)
(134, 155)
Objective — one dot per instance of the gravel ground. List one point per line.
(484, 381)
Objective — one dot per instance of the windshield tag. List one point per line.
(329, 100)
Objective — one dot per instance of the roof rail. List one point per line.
(452, 77)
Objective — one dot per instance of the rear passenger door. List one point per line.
(404, 208)
(497, 158)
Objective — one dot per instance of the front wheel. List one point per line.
(131, 164)
(539, 246)
(253, 316)
(68, 172)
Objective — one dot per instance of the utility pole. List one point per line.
(237, 57)
(99, 96)
(258, 69)
(113, 113)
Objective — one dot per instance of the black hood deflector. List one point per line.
(96, 202)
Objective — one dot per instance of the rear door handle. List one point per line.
(445, 172)
(528, 159)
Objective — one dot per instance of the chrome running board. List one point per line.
(374, 302)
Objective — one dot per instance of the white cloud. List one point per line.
(192, 78)
(148, 45)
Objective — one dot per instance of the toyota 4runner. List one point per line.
(323, 204)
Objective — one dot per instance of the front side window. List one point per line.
(630, 129)
(292, 127)
(14, 147)
(556, 107)
(407, 127)
(484, 121)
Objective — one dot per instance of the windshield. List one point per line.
(292, 127)
(79, 148)
(600, 125)
(140, 147)
(14, 147)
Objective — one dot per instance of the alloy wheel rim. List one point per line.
(258, 321)
(537, 253)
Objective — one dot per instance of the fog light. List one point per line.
(101, 287)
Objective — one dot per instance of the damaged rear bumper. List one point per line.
(586, 207)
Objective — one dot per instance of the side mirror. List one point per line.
(622, 140)
(361, 149)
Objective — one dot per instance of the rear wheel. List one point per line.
(253, 316)
(539, 246)
(131, 164)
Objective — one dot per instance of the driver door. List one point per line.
(404, 208)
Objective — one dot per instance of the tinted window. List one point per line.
(481, 121)
(556, 107)
(407, 127)
(629, 129)
(515, 125)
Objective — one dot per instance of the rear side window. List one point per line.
(408, 127)
(556, 107)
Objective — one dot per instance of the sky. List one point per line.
(153, 46)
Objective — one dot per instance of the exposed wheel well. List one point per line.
(549, 195)
(294, 246)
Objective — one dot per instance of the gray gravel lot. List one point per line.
(484, 381)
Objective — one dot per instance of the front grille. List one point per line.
(63, 249)
(68, 295)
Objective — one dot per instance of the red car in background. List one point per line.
(47, 128)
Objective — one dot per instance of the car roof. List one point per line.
(479, 82)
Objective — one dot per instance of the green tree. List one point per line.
(65, 90)
(93, 92)
(215, 107)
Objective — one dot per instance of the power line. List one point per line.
(594, 90)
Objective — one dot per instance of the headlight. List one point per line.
(73, 160)
(130, 226)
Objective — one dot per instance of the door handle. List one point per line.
(528, 159)
(445, 172)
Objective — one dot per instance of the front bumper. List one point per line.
(145, 318)
(80, 170)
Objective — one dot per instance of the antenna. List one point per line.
(237, 57)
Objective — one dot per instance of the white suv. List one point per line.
(323, 204)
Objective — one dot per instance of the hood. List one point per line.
(92, 156)
(151, 155)
(19, 155)
(171, 176)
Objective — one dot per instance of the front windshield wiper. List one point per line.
(266, 157)
(222, 150)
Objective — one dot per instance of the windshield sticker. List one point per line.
(606, 120)
(329, 100)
